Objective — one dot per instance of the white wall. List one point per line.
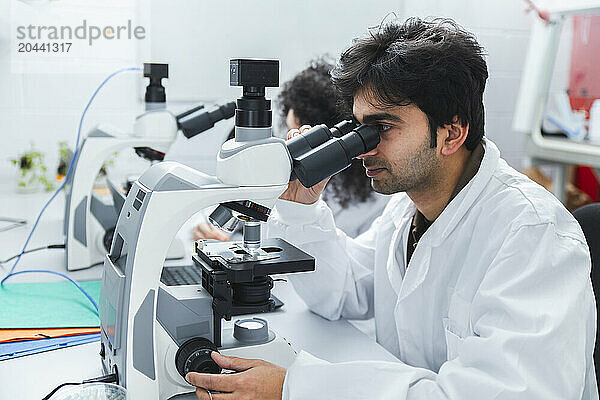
(197, 39)
(44, 108)
(200, 37)
(503, 29)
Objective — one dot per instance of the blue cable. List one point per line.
(11, 272)
(46, 271)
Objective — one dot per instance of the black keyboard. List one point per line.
(181, 275)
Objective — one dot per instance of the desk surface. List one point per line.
(32, 377)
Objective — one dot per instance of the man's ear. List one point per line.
(452, 136)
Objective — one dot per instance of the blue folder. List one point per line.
(19, 349)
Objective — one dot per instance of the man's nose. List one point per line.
(368, 154)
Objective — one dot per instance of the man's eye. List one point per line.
(382, 128)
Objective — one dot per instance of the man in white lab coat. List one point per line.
(478, 278)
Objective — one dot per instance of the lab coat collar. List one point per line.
(440, 229)
(462, 203)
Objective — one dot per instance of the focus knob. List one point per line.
(194, 356)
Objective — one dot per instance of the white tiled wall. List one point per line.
(502, 27)
(31, 118)
(45, 108)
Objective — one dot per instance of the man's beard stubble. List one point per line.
(420, 172)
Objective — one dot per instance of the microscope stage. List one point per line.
(275, 256)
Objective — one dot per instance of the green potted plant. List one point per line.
(32, 172)
(65, 154)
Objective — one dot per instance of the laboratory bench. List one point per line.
(34, 376)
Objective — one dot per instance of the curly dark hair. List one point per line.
(312, 97)
(435, 65)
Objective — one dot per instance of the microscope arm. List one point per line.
(95, 150)
(154, 130)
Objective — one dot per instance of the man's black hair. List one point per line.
(312, 97)
(435, 65)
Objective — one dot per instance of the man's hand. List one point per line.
(255, 380)
(206, 230)
(296, 191)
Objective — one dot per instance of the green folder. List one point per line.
(48, 305)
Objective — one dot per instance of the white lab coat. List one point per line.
(357, 217)
(496, 302)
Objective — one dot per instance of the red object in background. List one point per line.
(584, 80)
(584, 84)
(587, 181)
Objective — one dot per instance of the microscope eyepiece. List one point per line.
(198, 120)
(342, 128)
(316, 136)
(309, 140)
(321, 152)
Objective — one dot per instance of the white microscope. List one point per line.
(153, 334)
(89, 222)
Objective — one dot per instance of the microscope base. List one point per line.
(277, 351)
